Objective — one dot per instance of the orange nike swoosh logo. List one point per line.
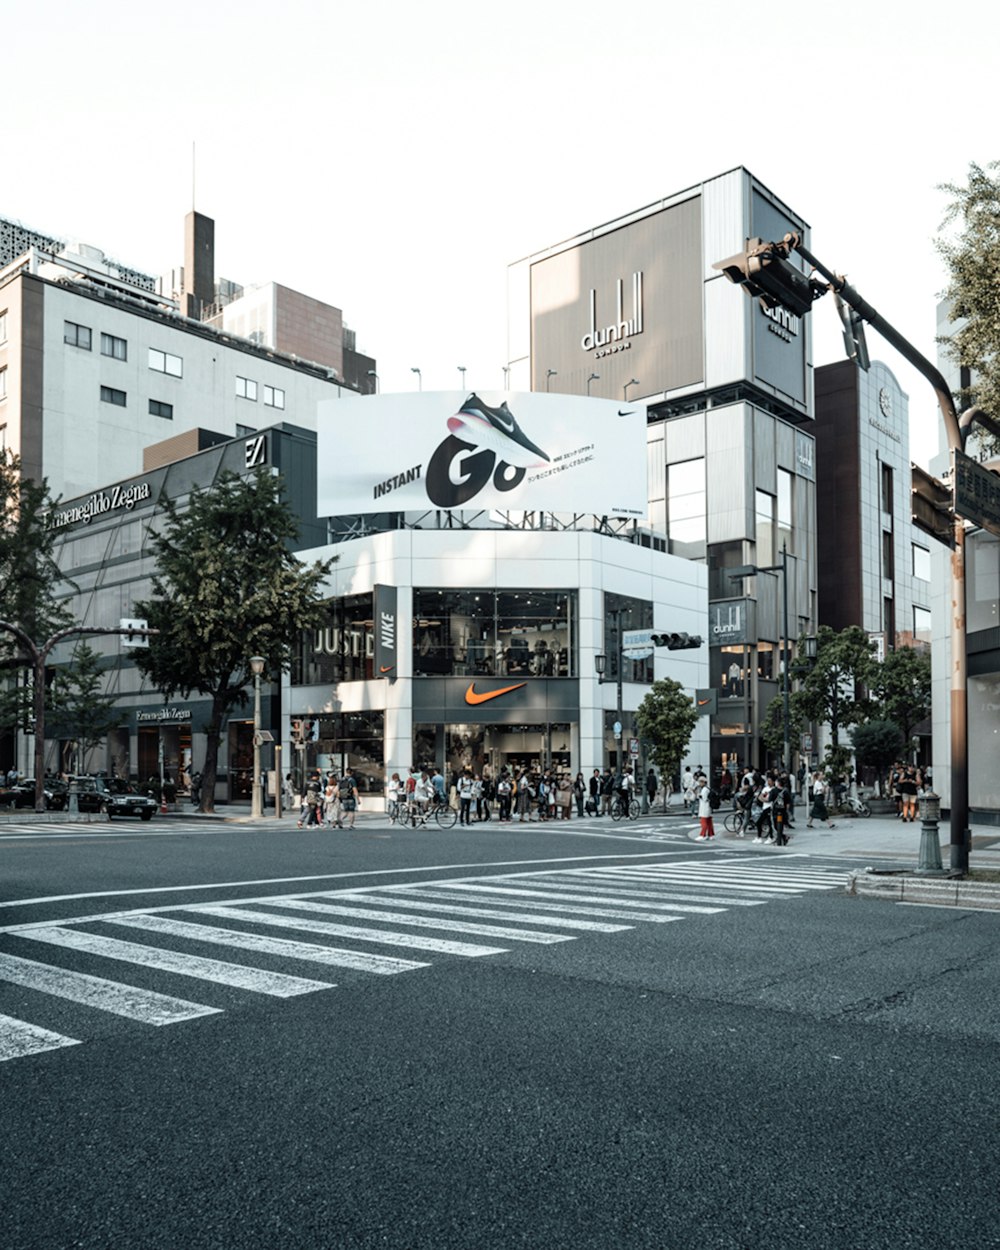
(472, 697)
(386, 668)
(702, 702)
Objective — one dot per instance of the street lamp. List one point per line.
(750, 570)
(594, 377)
(461, 369)
(420, 377)
(373, 374)
(549, 373)
(506, 377)
(632, 382)
(256, 798)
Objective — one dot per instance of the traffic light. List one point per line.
(677, 642)
(931, 506)
(763, 269)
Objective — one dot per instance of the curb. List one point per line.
(904, 888)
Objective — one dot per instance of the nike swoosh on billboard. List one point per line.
(473, 697)
(386, 668)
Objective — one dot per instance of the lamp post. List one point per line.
(549, 373)
(373, 374)
(420, 377)
(594, 377)
(631, 382)
(256, 798)
(461, 370)
(750, 570)
(506, 377)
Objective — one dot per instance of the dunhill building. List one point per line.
(633, 310)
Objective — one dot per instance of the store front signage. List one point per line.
(782, 323)
(474, 697)
(727, 623)
(617, 336)
(99, 503)
(170, 714)
(458, 700)
(385, 632)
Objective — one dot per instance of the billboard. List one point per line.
(625, 304)
(500, 450)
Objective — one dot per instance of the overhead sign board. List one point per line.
(637, 644)
(461, 449)
(977, 492)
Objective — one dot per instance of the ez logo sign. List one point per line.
(254, 451)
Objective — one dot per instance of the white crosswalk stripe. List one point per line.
(546, 908)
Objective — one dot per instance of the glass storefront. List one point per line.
(485, 633)
(343, 649)
(488, 749)
(349, 740)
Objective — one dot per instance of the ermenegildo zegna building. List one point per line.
(633, 310)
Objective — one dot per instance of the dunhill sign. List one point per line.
(615, 337)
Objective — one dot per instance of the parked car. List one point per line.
(22, 794)
(113, 796)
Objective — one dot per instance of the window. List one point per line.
(110, 396)
(343, 649)
(3, 383)
(159, 409)
(76, 336)
(887, 488)
(686, 513)
(246, 388)
(3, 326)
(114, 347)
(888, 562)
(889, 622)
(921, 563)
(784, 509)
(764, 506)
(921, 624)
(164, 362)
(274, 397)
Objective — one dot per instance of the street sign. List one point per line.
(633, 747)
(134, 638)
(930, 505)
(618, 728)
(977, 492)
(637, 644)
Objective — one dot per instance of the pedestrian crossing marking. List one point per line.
(549, 907)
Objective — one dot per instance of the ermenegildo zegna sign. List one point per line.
(123, 497)
(456, 449)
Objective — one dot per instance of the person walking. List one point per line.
(347, 792)
(465, 796)
(330, 802)
(595, 792)
(505, 789)
(705, 813)
(564, 796)
(818, 811)
(651, 788)
(524, 796)
(607, 791)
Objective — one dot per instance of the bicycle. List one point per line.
(396, 811)
(618, 809)
(850, 806)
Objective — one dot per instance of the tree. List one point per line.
(28, 577)
(772, 726)
(972, 257)
(831, 692)
(877, 743)
(76, 705)
(227, 586)
(666, 718)
(901, 689)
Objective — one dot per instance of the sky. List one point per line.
(394, 158)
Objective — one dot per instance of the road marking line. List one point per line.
(573, 902)
(399, 899)
(257, 979)
(18, 1038)
(654, 892)
(427, 922)
(377, 936)
(286, 948)
(121, 1000)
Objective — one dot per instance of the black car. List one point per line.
(22, 794)
(112, 796)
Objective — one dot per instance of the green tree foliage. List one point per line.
(972, 255)
(832, 692)
(901, 689)
(76, 708)
(772, 728)
(227, 586)
(877, 743)
(666, 717)
(28, 577)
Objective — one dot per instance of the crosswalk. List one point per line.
(344, 933)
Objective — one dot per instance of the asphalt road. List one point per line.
(735, 1054)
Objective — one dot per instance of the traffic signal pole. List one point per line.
(764, 271)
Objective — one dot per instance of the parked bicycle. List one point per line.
(847, 805)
